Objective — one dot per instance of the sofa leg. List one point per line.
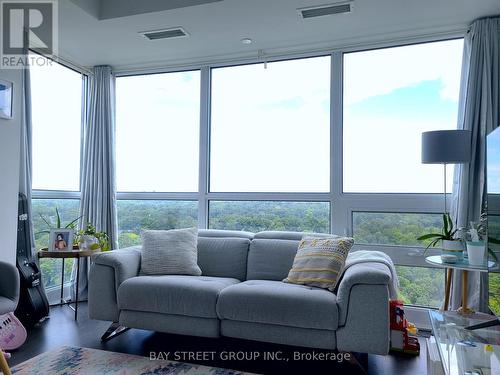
(114, 330)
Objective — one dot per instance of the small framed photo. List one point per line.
(5, 99)
(61, 240)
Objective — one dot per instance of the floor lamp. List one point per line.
(446, 147)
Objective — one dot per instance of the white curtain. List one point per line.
(98, 200)
(479, 112)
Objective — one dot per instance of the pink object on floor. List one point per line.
(12, 332)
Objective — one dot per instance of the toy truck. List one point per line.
(402, 332)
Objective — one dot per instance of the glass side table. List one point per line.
(463, 266)
(463, 351)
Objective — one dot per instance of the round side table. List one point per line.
(463, 266)
(77, 254)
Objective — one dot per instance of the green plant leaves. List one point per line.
(448, 227)
(72, 225)
(58, 225)
(429, 236)
(58, 222)
(447, 234)
(45, 221)
(445, 224)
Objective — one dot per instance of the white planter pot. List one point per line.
(453, 248)
(477, 253)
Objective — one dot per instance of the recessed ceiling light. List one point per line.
(246, 41)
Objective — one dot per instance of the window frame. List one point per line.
(342, 204)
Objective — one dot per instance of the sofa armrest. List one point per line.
(363, 303)
(369, 273)
(107, 271)
(9, 286)
(125, 262)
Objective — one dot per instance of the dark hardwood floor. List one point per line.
(62, 330)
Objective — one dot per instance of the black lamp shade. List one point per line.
(446, 147)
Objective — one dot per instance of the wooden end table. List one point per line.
(77, 254)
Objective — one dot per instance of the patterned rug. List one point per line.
(82, 361)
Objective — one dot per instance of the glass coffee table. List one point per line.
(464, 351)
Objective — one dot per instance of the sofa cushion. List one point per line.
(270, 259)
(282, 235)
(220, 233)
(173, 294)
(275, 302)
(223, 257)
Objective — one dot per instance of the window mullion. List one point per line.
(204, 164)
(339, 215)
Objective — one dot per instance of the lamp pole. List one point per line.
(445, 189)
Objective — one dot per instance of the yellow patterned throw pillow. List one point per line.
(319, 261)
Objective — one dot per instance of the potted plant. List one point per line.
(477, 248)
(451, 244)
(58, 223)
(90, 239)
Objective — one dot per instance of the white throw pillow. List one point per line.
(170, 252)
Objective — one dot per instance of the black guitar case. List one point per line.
(33, 304)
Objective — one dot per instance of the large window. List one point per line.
(285, 145)
(494, 233)
(134, 216)
(157, 135)
(401, 229)
(56, 100)
(258, 216)
(57, 105)
(421, 286)
(391, 96)
(418, 285)
(157, 132)
(270, 127)
(45, 218)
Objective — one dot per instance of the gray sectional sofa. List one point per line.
(241, 294)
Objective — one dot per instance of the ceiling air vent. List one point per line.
(326, 10)
(176, 32)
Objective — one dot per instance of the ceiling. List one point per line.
(96, 32)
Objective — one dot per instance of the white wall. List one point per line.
(9, 170)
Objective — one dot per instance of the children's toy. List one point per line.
(401, 330)
(12, 332)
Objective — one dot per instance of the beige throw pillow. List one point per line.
(170, 252)
(319, 261)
